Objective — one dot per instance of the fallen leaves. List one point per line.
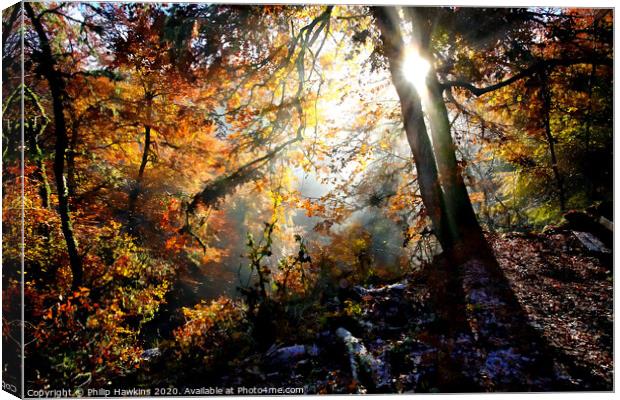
(567, 294)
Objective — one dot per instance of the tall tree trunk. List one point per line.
(588, 121)
(135, 191)
(415, 129)
(467, 236)
(57, 89)
(546, 98)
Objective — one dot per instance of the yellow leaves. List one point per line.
(399, 202)
(327, 60)
(92, 322)
(276, 198)
(114, 307)
(122, 330)
(364, 149)
(188, 312)
(331, 133)
(298, 158)
(413, 234)
(122, 266)
(384, 144)
(352, 309)
(205, 322)
(359, 244)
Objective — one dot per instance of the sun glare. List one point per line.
(416, 69)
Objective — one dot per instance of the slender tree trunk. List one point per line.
(57, 88)
(45, 191)
(135, 191)
(466, 232)
(588, 121)
(36, 129)
(468, 237)
(413, 119)
(546, 98)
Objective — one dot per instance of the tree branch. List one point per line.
(536, 67)
(220, 187)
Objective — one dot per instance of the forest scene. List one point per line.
(342, 199)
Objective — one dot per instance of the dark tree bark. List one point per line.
(8, 29)
(47, 64)
(415, 129)
(135, 191)
(216, 190)
(443, 189)
(545, 93)
(467, 236)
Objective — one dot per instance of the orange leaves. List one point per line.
(476, 197)
(312, 208)
(259, 185)
(170, 217)
(92, 322)
(401, 201)
(175, 243)
(213, 255)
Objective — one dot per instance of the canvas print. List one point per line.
(217, 199)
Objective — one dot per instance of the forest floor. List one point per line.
(391, 342)
(387, 338)
(567, 295)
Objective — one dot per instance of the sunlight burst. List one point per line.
(415, 69)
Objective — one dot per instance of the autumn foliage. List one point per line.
(225, 174)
